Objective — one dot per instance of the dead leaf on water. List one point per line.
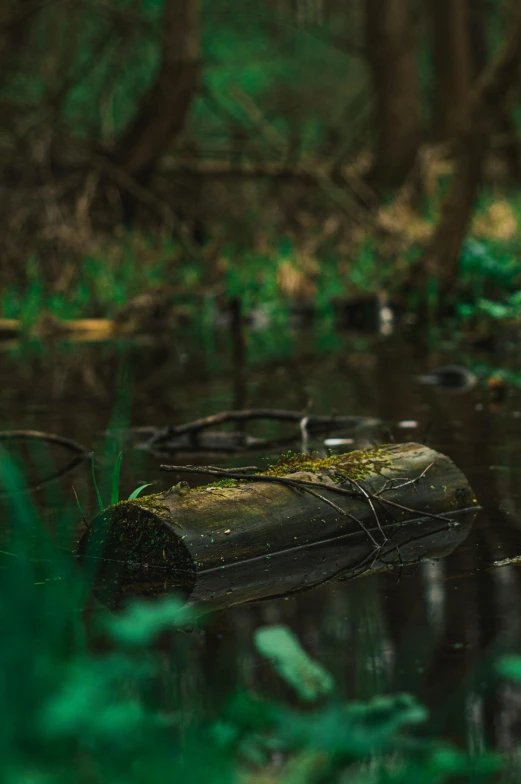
(515, 561)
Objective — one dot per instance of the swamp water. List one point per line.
(432, 629)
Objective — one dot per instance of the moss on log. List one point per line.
(234, 541)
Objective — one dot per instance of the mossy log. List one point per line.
(241, 540)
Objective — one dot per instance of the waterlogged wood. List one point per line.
(94, 328)
(9, 328)
(223, 545)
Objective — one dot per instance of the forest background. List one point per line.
(166, 159)
(309, 151)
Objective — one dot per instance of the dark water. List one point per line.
(432, 629)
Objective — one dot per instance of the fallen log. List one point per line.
(305, 521)
(9, 328)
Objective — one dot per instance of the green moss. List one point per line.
(226, 483)
(222, 483)
(356, 465)
(153, 502)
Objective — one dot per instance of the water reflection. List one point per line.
(433, 628)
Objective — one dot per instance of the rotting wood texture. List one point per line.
(258, 536)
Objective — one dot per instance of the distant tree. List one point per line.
(456, 40)
(16, 21)
(459, 57)
(506, 143)
(391, 54)
(472, 141)
(162, 111)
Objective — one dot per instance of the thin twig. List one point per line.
(415, 511)
(241, 469)
(366, 531)
(33, 488)
(51, 438)
(379, 498)
(406, 482)
(299, 484)
(347, 572)
(369, 500)
(81, 451)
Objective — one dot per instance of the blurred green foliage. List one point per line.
(104, 57)
(272, 89)
(79, 700)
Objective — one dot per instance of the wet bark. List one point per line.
(224, 545)
(164, 107)
(391, 53)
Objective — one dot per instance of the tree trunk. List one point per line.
(17, 18)
(472, 143)
(163, 109)
(223, 545)
(391, 52)
(460, 57)
(454, 63)
(506, 143)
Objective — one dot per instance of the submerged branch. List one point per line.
(314, 421)
(82, 454)
(50, 438)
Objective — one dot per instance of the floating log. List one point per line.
(306, 521)
(9, 328)
(75, 329)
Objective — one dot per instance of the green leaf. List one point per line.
(309, 679)
(354, 730)
(114, 493)
(134, 494)
(452, 762)
(143, 622)
(510, 667)
(96, 488)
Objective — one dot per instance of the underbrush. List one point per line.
(274, 274)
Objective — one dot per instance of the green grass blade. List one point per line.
(116, 471)
(78, 504)
(134, 494)
(96, 488)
